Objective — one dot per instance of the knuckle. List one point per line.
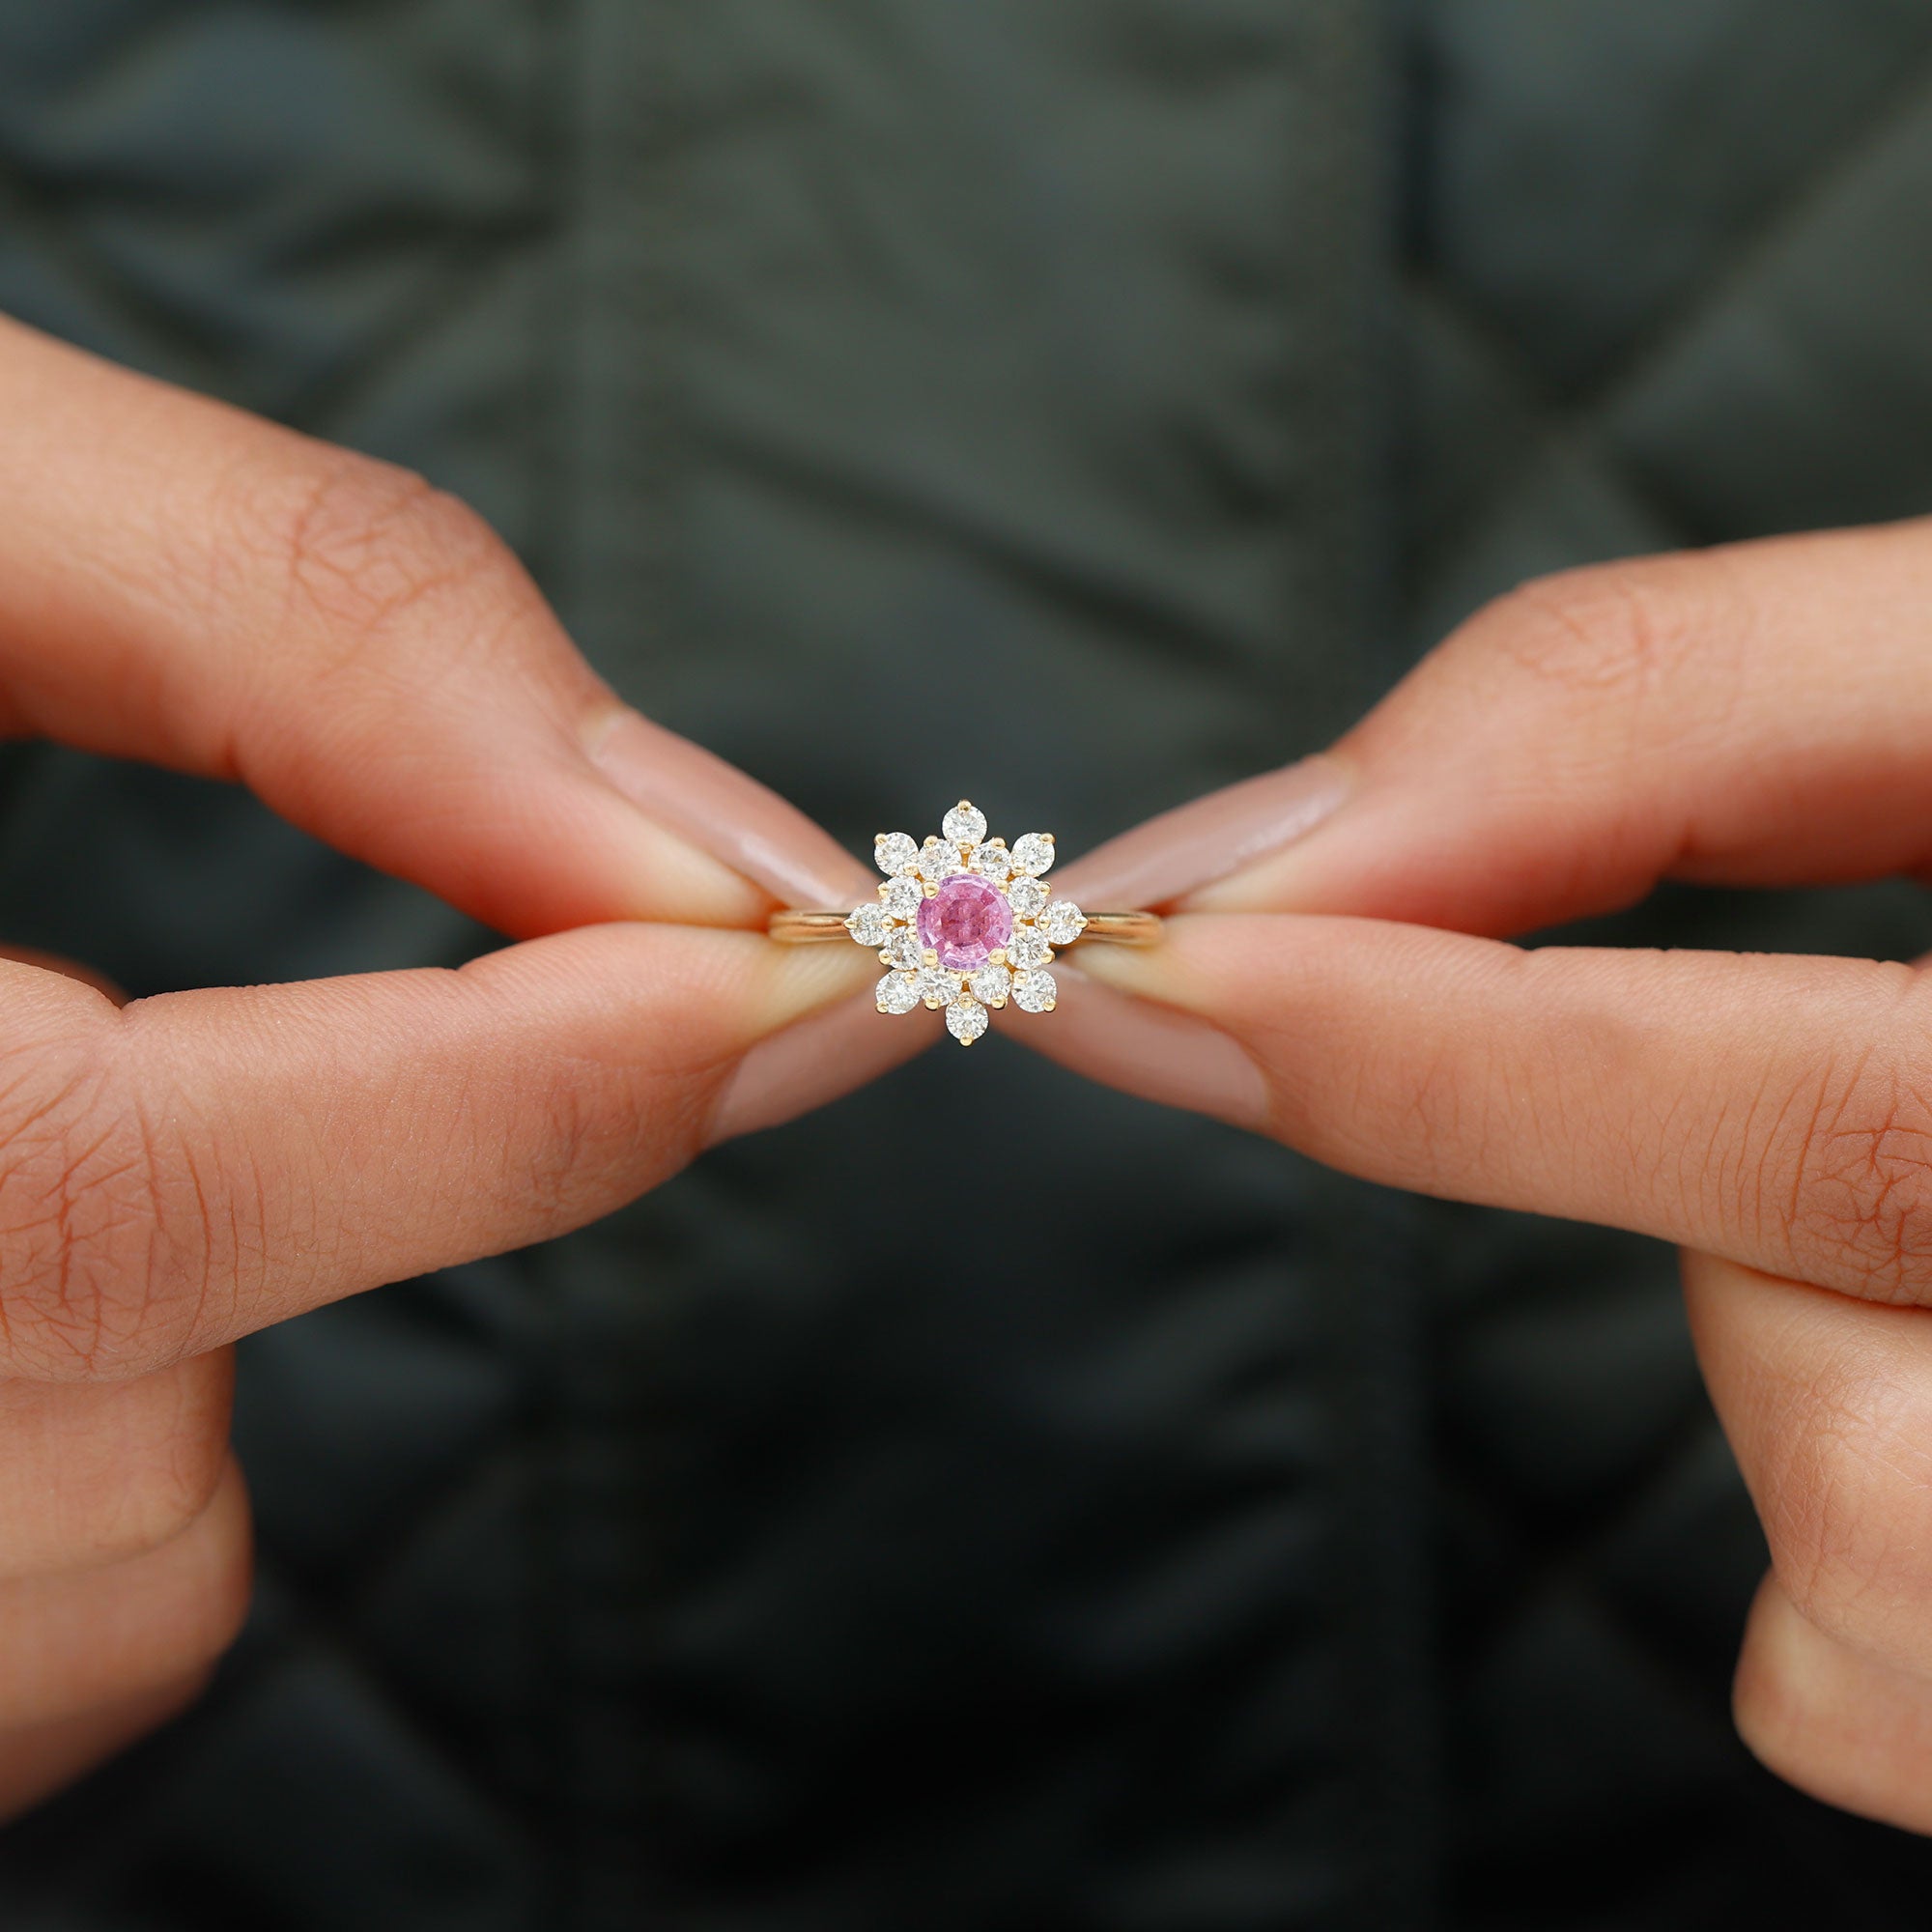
(1856, 1209)
(1617, 629)
(360, 545)
(107, 1242)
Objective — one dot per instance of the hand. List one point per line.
(180, 584)
(1756, 716)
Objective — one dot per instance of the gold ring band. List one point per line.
(813, 929)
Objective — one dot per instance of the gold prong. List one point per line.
(997, 957)
(930, 958)
(885, 957)
(1049, 1006)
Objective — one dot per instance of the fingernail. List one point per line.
(717, 808)
(819, 1059)
(1156, 1051)
(1212, 839)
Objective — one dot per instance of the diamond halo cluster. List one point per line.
(965, 923)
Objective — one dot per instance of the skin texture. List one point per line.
(1753, 716)
(184, 584)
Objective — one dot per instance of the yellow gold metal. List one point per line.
(807, 928)
(1123, 929)
(1114, 929)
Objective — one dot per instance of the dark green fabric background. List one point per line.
(1116, 394)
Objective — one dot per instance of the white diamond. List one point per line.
(991, 984)
(993, 862)
(1027, 948)
(869, 925)
(905, 950)
(965, 824)
(1063, 923)
(902, 898)
(937, 988)
(897, 994)
(1034, 992)
(1034, 853)
(938, 861)
(966, 1019)
(1026, 896)
(895, 853)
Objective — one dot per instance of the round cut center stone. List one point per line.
(965, 922)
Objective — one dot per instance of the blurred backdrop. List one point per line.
(1127, 390)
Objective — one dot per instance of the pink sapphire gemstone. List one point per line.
(965, 923)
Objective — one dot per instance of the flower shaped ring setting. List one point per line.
(965, 923)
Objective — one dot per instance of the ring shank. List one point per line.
(807, 928)
(1111, 928)
(1123, 929)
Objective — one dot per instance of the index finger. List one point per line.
(187, 585)
(1754, 715)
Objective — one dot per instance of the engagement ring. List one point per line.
(965, 923)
